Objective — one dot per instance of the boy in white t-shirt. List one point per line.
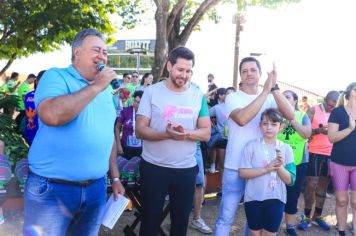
(268, 166)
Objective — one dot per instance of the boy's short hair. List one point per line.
(273, 115)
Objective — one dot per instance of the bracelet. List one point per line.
(275, 87)
(116, 179)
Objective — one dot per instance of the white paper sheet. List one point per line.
(113, 210)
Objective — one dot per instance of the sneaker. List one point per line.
(212, 169)
(200, 225)
(291, 232)
(242, 200)
(319, 220)
(304, 224)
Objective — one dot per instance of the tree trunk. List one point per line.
(8, 64)
(168, 34)
(161, 49)
(237, 49)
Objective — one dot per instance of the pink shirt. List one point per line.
(319, 143)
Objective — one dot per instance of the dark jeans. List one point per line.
(19, 117)
(156, 182)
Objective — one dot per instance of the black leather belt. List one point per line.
(62, 181)
(79, 183)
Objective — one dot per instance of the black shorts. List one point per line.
(221, 143)
(318, 165)
(265, 214)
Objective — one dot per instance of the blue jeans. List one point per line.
(233, 188)
(200, 178)
(61, 209)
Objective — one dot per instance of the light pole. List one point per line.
(138, 52)
(239, 20)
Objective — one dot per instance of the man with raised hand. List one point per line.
(244, 108)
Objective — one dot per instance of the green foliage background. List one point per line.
(16, 147)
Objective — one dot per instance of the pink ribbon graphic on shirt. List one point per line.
(169, 111)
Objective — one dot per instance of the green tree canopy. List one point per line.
(28, 27)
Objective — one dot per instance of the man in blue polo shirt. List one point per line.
(65, 192)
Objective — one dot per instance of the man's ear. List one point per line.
(169, 66)
(76, 52)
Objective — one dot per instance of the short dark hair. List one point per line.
(79, 38)
(333, 95)
(273, 115)
(125, 74)
(221, 91)
(248, 59)
(138, 93)
(38, 78)
(14, 75)
(230, 88)
(181, 52)
(31, 76)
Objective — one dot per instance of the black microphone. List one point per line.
(114, 83)
(100, 66)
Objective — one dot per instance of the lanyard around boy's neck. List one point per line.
(265, 149)
(273, 181)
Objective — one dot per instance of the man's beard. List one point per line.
(177, 84)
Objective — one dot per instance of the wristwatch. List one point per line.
(115, 179)
(275, 87)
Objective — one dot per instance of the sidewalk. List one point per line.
(14, 221)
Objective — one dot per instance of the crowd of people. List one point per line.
(266, 147)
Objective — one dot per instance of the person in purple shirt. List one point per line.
(129, 145)
(31, 118)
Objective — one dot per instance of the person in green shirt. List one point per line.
(295, 133)
(135, 83)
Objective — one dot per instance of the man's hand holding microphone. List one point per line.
(105, 77)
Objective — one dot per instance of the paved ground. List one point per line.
(13, 221)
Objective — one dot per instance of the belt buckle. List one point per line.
(86, 182)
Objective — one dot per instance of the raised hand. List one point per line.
(271, 79)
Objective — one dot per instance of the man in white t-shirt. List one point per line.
(245, 108)
(171, 118)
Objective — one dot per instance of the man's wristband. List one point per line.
(116, 179)
(275, 87)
